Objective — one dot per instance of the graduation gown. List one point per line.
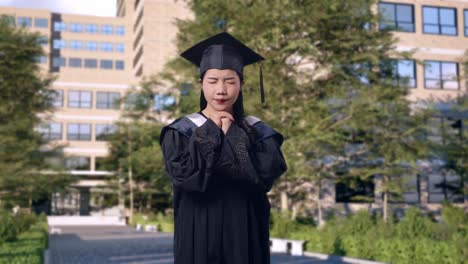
(221, 210)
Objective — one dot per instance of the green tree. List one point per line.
(135, 149)
(323, 80)
(25, 94)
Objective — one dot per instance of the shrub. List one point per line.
(24, 221)
(454, 217)
(8, 230)
(414, 225)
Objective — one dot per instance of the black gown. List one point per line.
(221, 210)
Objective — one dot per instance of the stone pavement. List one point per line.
(124, 245)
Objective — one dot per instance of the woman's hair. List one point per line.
(237, 109)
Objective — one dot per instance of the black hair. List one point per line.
(237, 109)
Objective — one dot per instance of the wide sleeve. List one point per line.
(190, 161)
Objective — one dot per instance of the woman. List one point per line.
(222, 164)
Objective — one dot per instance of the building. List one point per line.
(96, 60)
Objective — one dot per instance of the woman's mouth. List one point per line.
(221, 101)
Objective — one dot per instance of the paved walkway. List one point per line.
(124, 245)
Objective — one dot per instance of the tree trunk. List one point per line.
(284, 201)
(319, 203)
(130, 173)
(385, 207)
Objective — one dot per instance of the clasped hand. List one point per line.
(222, 119)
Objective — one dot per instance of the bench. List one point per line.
(289, 246)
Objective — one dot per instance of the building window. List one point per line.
(401, 72)
(120, 30)
(75, 44)
(74, 62)
(43, 41)
(91, 45)
(439, 20)
(51, 131)
(136, 102)
(107, 100)
(60, 26)
(106, 64)
(107, 29)
(398, 17)
(59, 43)
(466, 22)
(57, 98)
(90, 63)
(24, 21)
(78, 163)
(41, 59)
(80, 99)
(103, 131)
(10, 20)
(355, 190)
(119, 47)
(440, 75)
(92, 28)
(162, 102)
(58, 62)
(445, 187)
(79, 132)
(410, 190)
(119, 65)
(106, 47)
(41, 22)
(76, 27)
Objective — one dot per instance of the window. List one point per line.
(80, 99)
(398, 17)
(78, 163)
(91, 45)
(59, 43)
(43, 41)
(103, 131)
(92, 28)
(120, 47)
(51, 131)
(136, 101)
(58, 62)
(445, 187)
(106, 46)
(401, 72)
(120, 30)
(355, 190)
(76, 27)
(57, 98)
(90, 63)
(107, 100)
(79, 132)
(41, 59)
(162, 101)
(106, 29)
(410, 190)
(439, 20)
(60, 26)
(41, 22)
(466, 22)
(119, 65)
(106, 64)
(75, 44)
(10, 20)
(440, 75)
(74, 62)
(24, 21)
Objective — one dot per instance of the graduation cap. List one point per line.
(223, 51)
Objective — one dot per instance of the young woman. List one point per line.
(222, 164)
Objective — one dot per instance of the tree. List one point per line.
(323, 80)
(134, 147)
(25, 94)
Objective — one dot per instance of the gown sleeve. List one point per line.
(190, 161)
(259, 165)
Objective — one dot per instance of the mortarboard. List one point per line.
(223, 51)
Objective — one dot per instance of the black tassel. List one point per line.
(262, 91)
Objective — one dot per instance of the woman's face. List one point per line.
(221, 89)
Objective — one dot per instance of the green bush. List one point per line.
(28, 249)
(414, 225)
(24, 221)
(454, 217)
(8, 230)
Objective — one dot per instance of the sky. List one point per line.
(82, 7)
